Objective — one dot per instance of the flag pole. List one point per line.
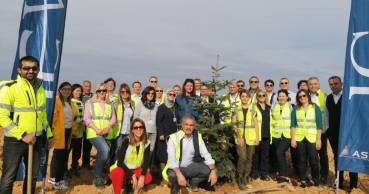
(29, 169)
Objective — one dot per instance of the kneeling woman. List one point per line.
(133, 159)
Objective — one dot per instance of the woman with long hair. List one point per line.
(62, 133)
(99, 118)
(306, 130)
(260, 164)
(133, 158)
(146, 110)
(185, 101)
(77, 128)
(245, 125)
(281, 133)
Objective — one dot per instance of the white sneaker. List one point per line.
(51, 180)
(61, 185)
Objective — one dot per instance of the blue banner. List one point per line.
(354, 131)
(41, 35)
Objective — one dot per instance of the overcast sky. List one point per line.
(130, 40)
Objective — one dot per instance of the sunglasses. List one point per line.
(138, 127)
(171, 94)
(254, 82)
(27, 68)
(241, 85)
(124, 92)
(261, 95)
(152, 93)
(269, 85)
(302, 96)
(99, 91)
(284, 83)
(159, 90)
(153, 81)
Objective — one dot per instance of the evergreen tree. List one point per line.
(217, 135)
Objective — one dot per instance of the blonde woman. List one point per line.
(99, 118)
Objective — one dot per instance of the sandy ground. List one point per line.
(83, 185)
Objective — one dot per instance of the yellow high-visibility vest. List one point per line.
(281, 121)
(100, 119)
(306, 124)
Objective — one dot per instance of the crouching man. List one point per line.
(188, 159)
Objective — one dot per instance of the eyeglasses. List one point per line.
(254, 82)
(138, 127)
(261, 95)
(99, 91)
(283, 83)
(302, 96)
(171, 94)
(124, 92)
(240, 85)
(269, 85)
(27, 68)
(153, 81)
(159, 90)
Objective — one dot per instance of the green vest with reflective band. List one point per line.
(100, 119)
(176, 139)
(233, 107)
(119, 113)
(132, 159)
(77, 130)
(321, 103)
(246, 126)
(22, 110)
(281, 121)
(259, 116)
(306, 124)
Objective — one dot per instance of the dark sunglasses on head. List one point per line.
(254, 82)
(138, 127)
(284, 83)
(27, 68)
(302, 96)
(98, 91)
(159, 90)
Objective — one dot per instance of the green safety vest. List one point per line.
(176, 139)
(119, 113)
(321, 104)
(132, 159)
(281, 121)
(77, 131)
(22, 110)
(233, 106)
(306, 124)
(259, 116)
(246, 126)
(100, 119)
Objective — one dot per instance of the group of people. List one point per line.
(138, 132)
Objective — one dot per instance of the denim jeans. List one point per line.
(102, 147)
(14, 150)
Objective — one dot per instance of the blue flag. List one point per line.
(354, 131)
(41, 35)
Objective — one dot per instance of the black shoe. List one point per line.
(323, 181)
(174, 189)
(264, 177)
(281, 179)
(99, 182)
(128, 189)
(254, 176)
(303, 184)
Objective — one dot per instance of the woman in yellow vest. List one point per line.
(306, 129)
(281, 124)
(99, 118)
(133, 159)
(124, 109)
(246, 130)
(260, 163)
(77, 128)
(62, 130)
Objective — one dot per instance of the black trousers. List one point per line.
(260, 160)
(59, 161)
(76, 148)
(197, 172)
(13, 151)
(307, 151)
(333, 140)
(86, 146)
(323, 157)
(281, 146)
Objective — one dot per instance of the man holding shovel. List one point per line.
(24, 122)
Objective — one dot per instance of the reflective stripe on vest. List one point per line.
(99, 118)
(246, 130)
(306, 124)
(281, 121)
(133, 159)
